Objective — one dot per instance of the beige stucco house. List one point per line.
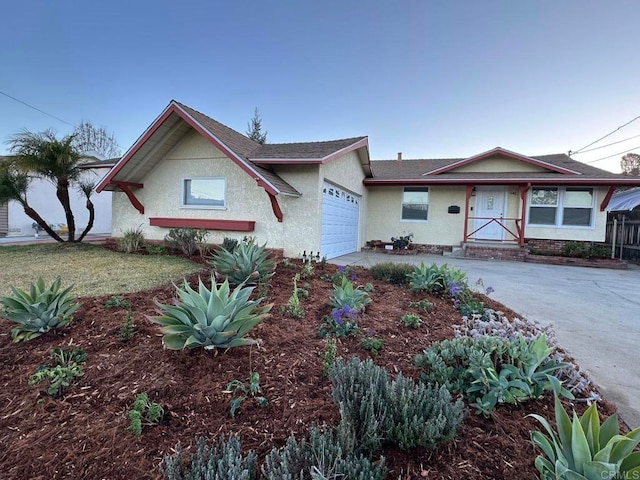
(188, 170)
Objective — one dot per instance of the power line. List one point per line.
(605, 146)
(36, 108)
(607, 135)
(614, 155)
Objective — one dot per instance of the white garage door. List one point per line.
(340, 221)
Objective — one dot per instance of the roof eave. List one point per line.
(609, 182)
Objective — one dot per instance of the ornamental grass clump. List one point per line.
(38, 311)
(394, 273)
(216, 318)
(248, 263)
(583, 448)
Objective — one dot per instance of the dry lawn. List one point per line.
(93, 270)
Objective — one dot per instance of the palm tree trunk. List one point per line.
(92, 216)
(62, 192)
(31, 213)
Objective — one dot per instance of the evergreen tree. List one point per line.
(254, 129)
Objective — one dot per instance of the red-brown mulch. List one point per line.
(84, 434)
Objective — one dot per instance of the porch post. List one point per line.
(466, 211)
(523, 197)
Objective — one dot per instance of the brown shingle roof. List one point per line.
(302, 150)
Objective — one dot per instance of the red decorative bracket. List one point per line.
(126, 188)
(275, 207)
(607, 199)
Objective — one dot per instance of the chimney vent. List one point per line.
(399, 155)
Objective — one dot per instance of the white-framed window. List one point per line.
(204, 192)
(415, 204)
(561, 207)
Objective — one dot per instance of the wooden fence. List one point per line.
(626, 235)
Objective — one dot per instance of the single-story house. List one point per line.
(42, 198)
(188, 170)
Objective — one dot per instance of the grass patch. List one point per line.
(94, 270)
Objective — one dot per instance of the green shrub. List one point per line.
(326, 455)
(424, 305)
(131, 241)
(128, 328)
(307, 270)
(188, 240)
(38, 311)
(583, 448)
(249, 263)
(223, 461)
(216, 318)
(394, 273)
(346, 295)
(155, 249)
(229, 244)
(293, 307)
(342, 322)
(330, 351)
(243, 390)
(375, 411)
(143, 412)
(117, 302)
(411, 320)
(60, 374)
(584, 250)
(373, 344)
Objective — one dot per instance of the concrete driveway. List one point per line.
(595, 313)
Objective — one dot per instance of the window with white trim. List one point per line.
(561, 207)
(415, 204)
(204, 192)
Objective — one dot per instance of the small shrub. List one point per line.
(346, 295)
(128, 329)
(155, 249)
(293, 307)
(286, 263)
(143, 412)
(61, 371)
(375, 411)
(584, 250)
(216, 318)
(117, 302)
(330, 352)
(583, 448)
(229, 244)
(249, 263)
(411, 320)
(394, 273)
(38, 311)
(131, 241)
(342, 322)
(373, 344)
(326, 455)
(343, 271)
(223, 461)
(188, 240)
(243, 390)
(424, 305)
(307, 270)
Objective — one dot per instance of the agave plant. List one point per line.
(427, 279)
(216, 318)
(38, 311)
(346, 295)
(248, 263)
(584, 449)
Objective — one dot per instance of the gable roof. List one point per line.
(178, 119)
(559, 169)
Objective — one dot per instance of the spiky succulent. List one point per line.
(38, 311)
(216, 318)
(248, 263)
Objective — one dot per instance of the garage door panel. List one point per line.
(340, 221)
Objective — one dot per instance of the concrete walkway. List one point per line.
(595, 313)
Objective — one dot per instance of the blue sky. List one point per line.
(427, 78)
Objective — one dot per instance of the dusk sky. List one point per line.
(426, 78)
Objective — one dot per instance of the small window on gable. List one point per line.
(204, 192)
(415, 204)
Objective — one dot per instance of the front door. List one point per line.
(490, 204)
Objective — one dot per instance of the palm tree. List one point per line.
(45, 156)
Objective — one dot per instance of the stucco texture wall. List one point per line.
(385, 210)
(194, 156)
(499, 163)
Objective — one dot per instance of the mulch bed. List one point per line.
(84, 434)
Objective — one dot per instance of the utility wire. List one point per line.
(607, 135)
(605, 146)
(35, 108)
(614, 155)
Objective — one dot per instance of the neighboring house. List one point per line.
(188, 170)
(42, 198)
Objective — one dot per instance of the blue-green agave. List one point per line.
(216, 318)
(38, 311)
